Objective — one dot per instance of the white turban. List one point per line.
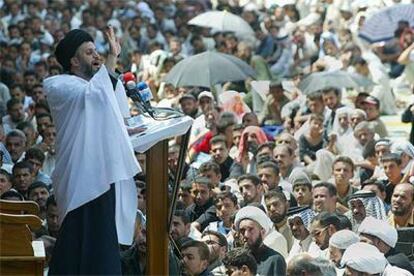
(255, 214)
(343, 238)
(364, 257)
(380, 229)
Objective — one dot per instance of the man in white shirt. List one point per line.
(95, 160)
(299, 219)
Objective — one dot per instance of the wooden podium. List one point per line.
(19, 255)
(154, 142)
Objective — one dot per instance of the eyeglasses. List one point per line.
(211, 242)
(317, 233)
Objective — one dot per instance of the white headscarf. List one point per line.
(343, 239)
(364, 257)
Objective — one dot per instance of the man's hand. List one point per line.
(114, 45)
(114, 48)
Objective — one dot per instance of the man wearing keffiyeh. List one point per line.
(364, 204)
(299, 220)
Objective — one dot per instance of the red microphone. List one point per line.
(128, 76)
(129, 80)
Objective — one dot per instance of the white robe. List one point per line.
(93, 147)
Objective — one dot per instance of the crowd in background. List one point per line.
(304, 184)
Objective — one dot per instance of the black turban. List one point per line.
(67, 47)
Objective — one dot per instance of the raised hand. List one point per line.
(114, 45)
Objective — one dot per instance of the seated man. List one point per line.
(365, 259)
(383, 236)
(36, 157)
(39, 193)
(202, 211)
(240, 261)
(299, 219)
(323, 226)
(22, 177)
(392, 167)
(253, 225)
(277, 207)
(195, 258)
(217, 244)
(364, 204)
(181, 227)
(338, 243)
(302, 191)
(226, 207)
(402, 206)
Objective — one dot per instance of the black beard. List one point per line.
(257, 244)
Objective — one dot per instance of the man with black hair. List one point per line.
(217, 244)
(36, 157)
(302, 191)
(324, 197)
(240, 261)
(331, 99)
(39, 193)
(196, 258)
(392, 167)
(202, 211)
(88, 105)
(277, 206)
(43, 120)
(220, 153)
(323, 226)
(226, 207)
(251, 189)
(181, 226)
(22, 177)
(15, 115)
(52, 217)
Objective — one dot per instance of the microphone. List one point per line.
(133, 92)
(146, 96)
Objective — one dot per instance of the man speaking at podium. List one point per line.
(92, 181)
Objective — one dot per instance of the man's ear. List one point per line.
(331, 229)
(74, 61)
(263, 232)
(245, 270)
(205, 264)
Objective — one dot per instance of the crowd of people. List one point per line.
(297, 184)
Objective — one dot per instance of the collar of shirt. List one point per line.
(408, 223)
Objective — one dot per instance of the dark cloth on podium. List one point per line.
(88, 241)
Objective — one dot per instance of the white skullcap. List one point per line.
(380, 229)
(343, 238)
(364, 257)
(255, 214)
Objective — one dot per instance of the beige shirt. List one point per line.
(408, 223)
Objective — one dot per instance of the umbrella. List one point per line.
(382, 25)
(222, 21)
(208, 69)
(332, 79)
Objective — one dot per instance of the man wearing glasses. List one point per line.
(323, 226)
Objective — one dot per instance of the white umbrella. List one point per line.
(223, 21)
(382, 25)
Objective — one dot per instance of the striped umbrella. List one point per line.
(382, 25)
